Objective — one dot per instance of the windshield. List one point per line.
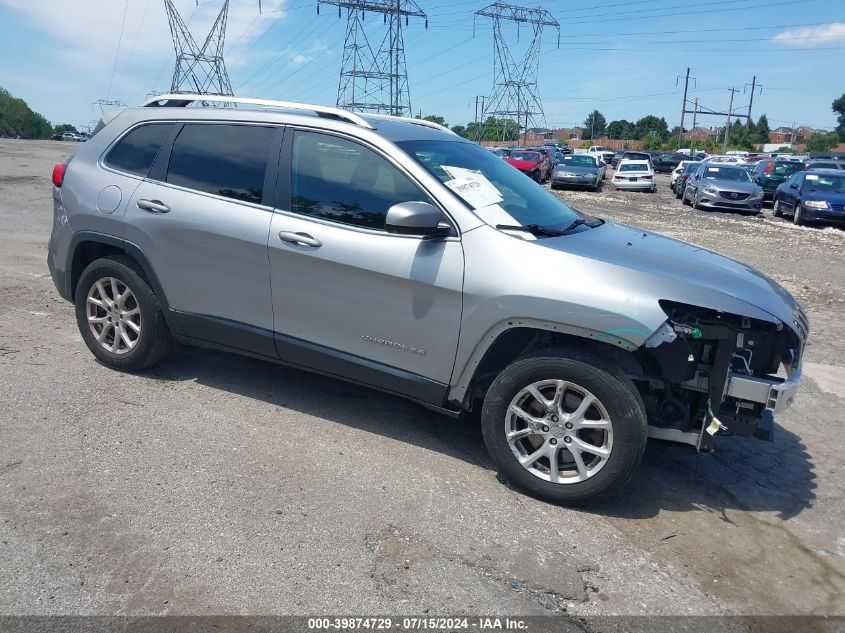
(523, 199)
(578, 160)
(525, 155)
(819, 182)
(633, 167)
(727, 173)
(786, 169)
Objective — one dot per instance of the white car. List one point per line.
(724, 159)
(636, 175)
(678, 171)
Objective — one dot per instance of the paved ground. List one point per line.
(219, 484)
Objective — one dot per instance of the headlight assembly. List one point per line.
(816, 204)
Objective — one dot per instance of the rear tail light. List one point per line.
(58, 174)
(768, 168)
(646, 177)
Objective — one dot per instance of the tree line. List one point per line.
(17, 119)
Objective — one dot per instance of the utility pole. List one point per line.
(728, 126)
(683, 109)
(792, 135)
(692, 135)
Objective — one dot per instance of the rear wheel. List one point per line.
(119, 315)
(564, 426)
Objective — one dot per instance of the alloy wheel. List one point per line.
(114, 315)
(559, 431)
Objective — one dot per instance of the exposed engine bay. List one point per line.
(709, 373)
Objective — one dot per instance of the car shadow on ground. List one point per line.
(742, 474)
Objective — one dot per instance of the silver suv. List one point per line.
(392, 253)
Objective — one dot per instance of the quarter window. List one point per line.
(226, 160)
(342, 181)
(136, 151)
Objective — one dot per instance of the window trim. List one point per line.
(101, 162)
(284, 187)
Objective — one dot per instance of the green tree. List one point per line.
(762, 132)
(620, 129)
(64, 127)
(460, 130)
(821, 142)
(651, 126)
(838, 108)
(17, 119)
(594, 125)
(493, 129)
(435, 118)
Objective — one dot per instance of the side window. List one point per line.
(342, 181)
(136, 151)
(226, 160)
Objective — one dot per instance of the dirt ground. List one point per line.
(219, 484)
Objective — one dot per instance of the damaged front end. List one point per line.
(710, 372)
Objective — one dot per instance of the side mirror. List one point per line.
(793, 186)
(415, 218)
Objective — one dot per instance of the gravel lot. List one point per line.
(219, 484)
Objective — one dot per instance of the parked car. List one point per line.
(531, 163)
(681, 180)
(814, 196)
(396, 255)
(70, 136)
(637, 175)
(577, 170)
(550, 155)
(667, 162)
(617, 156)
(501, 152)
(824, 164)
(723, 186)
(679, 170)
(769, 174)
(628, 155)
(600, 164)
(602, 152)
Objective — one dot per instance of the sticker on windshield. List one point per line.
(713, 169)
(812, 177)
(472, 186)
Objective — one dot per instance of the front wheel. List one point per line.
(564, 426)
(797, 217)
(776, 210)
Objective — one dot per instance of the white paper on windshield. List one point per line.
(473, 187)
(716, 169)
(812, 177)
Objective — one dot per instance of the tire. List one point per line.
(776, 210)
(150, 338)
(618, 407)
(797, 219)
(684, 200)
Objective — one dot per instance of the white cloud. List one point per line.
(85, 33)
(812, 35)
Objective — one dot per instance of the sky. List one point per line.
(622, 57)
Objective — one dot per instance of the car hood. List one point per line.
(674, 270)
(522, 164)
(732, 185)
(576, 169)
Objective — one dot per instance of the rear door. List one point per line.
(349, 298)
(202, 218)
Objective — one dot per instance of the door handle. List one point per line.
(153, 206)
(302, 239)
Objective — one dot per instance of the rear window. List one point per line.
(136, 151)
(633, 167)
(786, 169)
(226, 160)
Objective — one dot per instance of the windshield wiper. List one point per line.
(534, 229)
(539, 230)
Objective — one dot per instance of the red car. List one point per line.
(530, 162)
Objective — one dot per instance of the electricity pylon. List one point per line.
(199, 69)
(514, 97)
(375, 80)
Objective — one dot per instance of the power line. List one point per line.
(117, 52)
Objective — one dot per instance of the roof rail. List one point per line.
(422, 122)
(182, 100)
